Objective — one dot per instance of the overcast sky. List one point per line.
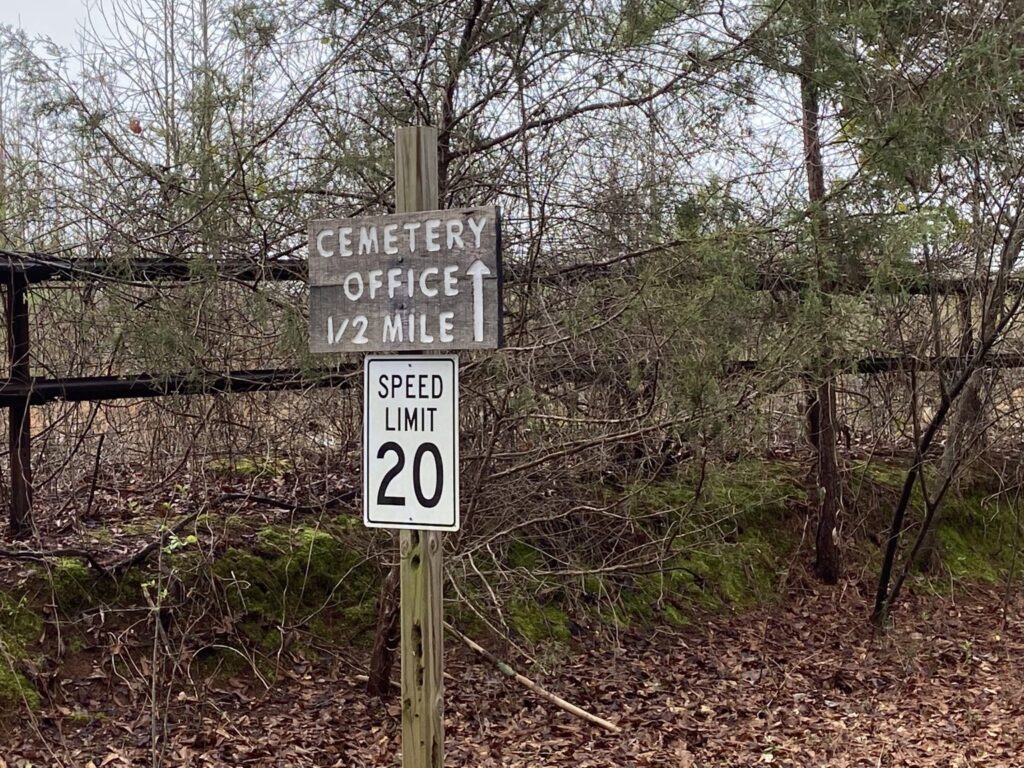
(58, 19)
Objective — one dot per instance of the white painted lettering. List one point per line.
(373, 280)
(445, 320)
(354, 286)
(411, 228)
(390, 234)
(393, 281)
(367, 240)
(477, 227)
(477, 270)
(345, 241)
(425, 275)
(392, 328)
(424, 336)
(431, 232)
(451, 282)
(324, 233)
(360, 323)
(332, 337)
(453, 229)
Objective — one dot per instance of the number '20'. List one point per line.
(384, 499)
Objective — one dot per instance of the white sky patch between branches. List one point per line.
(59, 20)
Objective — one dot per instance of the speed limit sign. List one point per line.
(411, 442)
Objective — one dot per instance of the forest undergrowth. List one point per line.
(253, 614)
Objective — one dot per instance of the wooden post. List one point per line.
(421, 564)
(422, 650)
(19, 414)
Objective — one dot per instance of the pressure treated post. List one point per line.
(19, 414)
(420, 550)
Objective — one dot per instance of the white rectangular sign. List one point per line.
(411, 442)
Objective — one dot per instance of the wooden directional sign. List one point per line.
(429, 280)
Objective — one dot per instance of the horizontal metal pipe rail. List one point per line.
(41, 267)
(39, 391)
(873, 366)
(20, 270)
(35, 268)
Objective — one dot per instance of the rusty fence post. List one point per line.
(19, 414)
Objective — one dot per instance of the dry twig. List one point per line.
(526, 682)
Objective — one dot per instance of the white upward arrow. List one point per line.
(478, 269)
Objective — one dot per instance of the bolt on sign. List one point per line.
(424, 281)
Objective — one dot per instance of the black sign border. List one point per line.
(419, 358)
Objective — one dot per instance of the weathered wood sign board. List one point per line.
(428, 280)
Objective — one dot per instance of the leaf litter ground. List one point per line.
(803, 684)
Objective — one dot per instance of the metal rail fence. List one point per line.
(21, 391)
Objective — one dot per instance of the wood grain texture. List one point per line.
(416, 179)
(422, 641)
(446, 267)
(420, 562)
(341, 288)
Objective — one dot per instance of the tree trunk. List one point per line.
(967, 413)
(829, 485)
(996, 320)
(962, 432)
(385, 642)
(821, 412)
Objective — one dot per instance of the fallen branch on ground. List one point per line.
(288, 506)
(42, 556)
(110, 571)
(526, 682)
(143, 554)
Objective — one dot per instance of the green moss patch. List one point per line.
(16, 692)
(737, 529)
(733, 529)
(250, 467)
(77, 587)
(296, 587)
(521, 554)
(19, 625)
(303, 578)
(743, 573)
(745, 491)
(20, 628)
(887, 474)
(978, 529)
(537, 622)
(979, 538)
